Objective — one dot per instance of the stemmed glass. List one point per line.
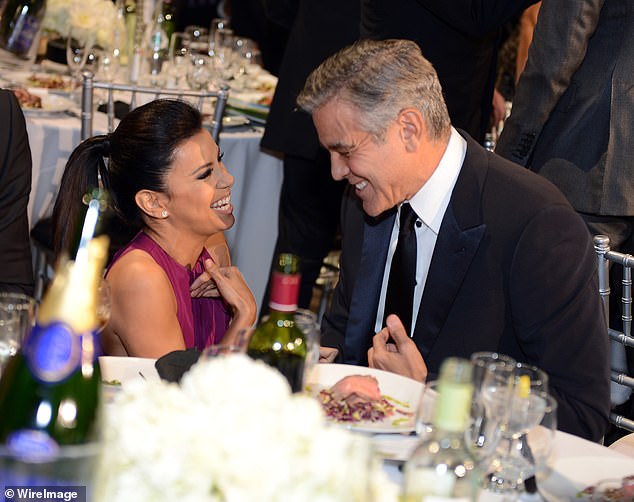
(493, 380)
(179, 56)
(78, 46)
(526, 433)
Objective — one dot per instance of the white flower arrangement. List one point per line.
(98, 17)
(232, 432)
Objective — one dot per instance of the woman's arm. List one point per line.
(144, 312)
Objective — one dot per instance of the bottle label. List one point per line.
(52, 352)
(32, 445)
(284, 292)
(453, 405)
(23, 34)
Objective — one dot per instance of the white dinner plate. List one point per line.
(51, 104)
(122, 369)
(401, 391)
(55, 83)
(570, 475)
(229, 121)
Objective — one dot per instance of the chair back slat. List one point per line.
(199, 98)
(605, 258)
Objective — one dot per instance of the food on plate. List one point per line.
(357, 398)
(26, 99)
(265, 100)
(613, 492)
(49, 82)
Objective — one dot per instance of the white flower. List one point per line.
(99, 17)
(232, 432)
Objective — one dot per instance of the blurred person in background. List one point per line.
(461, 39)
(573, 121)
(310, 199)
(16, 268)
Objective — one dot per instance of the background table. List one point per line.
(255, 195)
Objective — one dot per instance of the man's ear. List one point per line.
(150, 203)
(413, 129)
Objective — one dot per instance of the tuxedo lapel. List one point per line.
(452, 256)
(458, 240)
(367, 289)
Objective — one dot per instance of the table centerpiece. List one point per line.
(232, 431)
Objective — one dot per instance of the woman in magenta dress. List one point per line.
(172, 287)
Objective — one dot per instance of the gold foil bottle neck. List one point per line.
(73, 295)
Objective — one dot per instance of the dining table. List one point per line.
(255, 195)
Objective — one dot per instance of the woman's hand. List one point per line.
(231, 286)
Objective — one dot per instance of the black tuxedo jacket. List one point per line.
(16, 269)
(319, 28)
(513, 271)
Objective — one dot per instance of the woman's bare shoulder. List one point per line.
(137, 270)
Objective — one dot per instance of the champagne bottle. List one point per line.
(277, 340)
(50, 391)
(441, 468)
(20, 24)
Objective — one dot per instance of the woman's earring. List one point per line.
(164, 213)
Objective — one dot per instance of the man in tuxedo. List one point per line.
(502, 262)
(16, 268)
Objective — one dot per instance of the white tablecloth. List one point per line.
(575, 463)
(258, 178)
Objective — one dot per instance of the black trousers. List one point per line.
(310, 203)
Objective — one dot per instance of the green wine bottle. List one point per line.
(20, 23)
(277, 340)
(441, 467)
(50, 391)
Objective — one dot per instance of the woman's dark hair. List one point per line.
(139, 152)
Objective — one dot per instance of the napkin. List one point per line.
(174, 365)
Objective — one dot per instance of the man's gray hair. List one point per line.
(379, 79)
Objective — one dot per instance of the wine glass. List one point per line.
(492, 378)
(179, 57)
(17, 314)
(78, 46)
(200, 72)
(529, 406)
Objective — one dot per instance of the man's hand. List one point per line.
(327, 354)
(400, 355)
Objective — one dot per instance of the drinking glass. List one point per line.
(109, 63)
(223, 52)
(17, 314)
(529, 406)
(199, 39)
(425, 411)
(493, 379)
(200, 72)
(179, 57)
(306, 321)
(78, 45)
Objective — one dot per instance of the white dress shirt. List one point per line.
(429, 204)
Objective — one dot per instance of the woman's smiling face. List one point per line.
(199, 187)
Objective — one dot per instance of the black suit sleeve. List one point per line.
(476, 17)
(16, 270)
(558, 319)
